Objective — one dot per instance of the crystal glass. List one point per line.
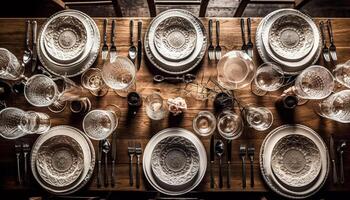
(155, 107)
(269, 77)
(335, 107)
(258, 118)
(230, 125)
(98, 124)
(120, 75)
(204, 123)
(342, 73)
(10, 68)
(92, 80)
(235, 70)
(16, 123)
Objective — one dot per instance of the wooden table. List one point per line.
(142, 129)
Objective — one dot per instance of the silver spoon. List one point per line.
(340, 150)
(105, 148)
(187, 78)
(219, 150)
(132, 49)
(27, 54)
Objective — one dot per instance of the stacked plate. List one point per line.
(68, 43)
(175, 41)
(290, 39)
(174, 161)
(294, 161)
(62, 160)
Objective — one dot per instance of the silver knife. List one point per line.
(114, 156)
(139, 45)
(212, 158)
(99, 161)
(34, 37)
(229, 150)
(333, 156)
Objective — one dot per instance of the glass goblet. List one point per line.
(92, 80)
(230, 125)
(204, 123)
(258, 118)
(269, 77)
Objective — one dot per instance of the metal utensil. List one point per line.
(217, 48)
(211, 52)
(138, 151)
(250, 45)
(34, 50)
(105, 148)
(139, 44)
(212, 158)
(229, 149)
(332, 48)
(340, 150)
(105, 46)
(113, 50)
(131, 153)
(18, 155)
(114, 158)
(187, 78)
(325, 50)
(26, 151)
(219, 150)
(99, 161)
(27, 54)
(244, 45)
(251, 150)
(132, 49)
(332, 156)
(242, 154)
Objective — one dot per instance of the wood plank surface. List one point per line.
(141, 128)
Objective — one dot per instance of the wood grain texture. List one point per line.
(141, 128)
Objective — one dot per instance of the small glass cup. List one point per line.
(230, 125)
(98, 124)
(258, 118)
(204, 124)
(92, 80)
(155, 107)
(269, 77)
(10, 68)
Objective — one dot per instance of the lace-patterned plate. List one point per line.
(175, 38)
(291, 37)
(175, 161)
(60, 161)
(65, 38)
(296, 160)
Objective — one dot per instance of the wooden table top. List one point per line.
(142, 129)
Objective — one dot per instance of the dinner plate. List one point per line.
(147, 167)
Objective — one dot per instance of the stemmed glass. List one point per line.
(10, 68)
(335, 107)
(120, 75)
(230, 125)
(314, 82)
(92, 80)
(98, 124)
(204, 123)
(259, 118)
(269, 77)
(16, 123)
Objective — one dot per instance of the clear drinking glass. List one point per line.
(335, 107)
(204, 123)
(230, 125)
(258, 118)
(92, 80)
(269, 77)
(155, 107)
(342, 73)
(10, 68)
(98, 124)
(16, 123)
(120, 75)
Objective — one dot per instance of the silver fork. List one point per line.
(131, 153)
(325, 50)
(105, 46)
(332, 48)
(18, 150)
(250, 45)
(242, 154)
(113, 50)
(26, 150)
(138, 151)
(211, 52)
(251, 150)
(244, 45)
(217, 48)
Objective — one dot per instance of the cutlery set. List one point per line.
(329, 53)
(334, 150)
(105, 49)
(247, 47)
(134, 149)
(214, 53)
(22, 152)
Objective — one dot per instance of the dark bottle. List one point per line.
(223, 101)
(134, 102)
(288, 102)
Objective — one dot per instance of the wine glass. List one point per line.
(10, 68)
(92, 80)
(155, 107)
(269, 77)
(230, 125)
(204, 123)
(98, 124)
(258, 118)
(342, 73)
(120, 75)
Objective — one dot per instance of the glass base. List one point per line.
(99, 93)
(257, 91)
